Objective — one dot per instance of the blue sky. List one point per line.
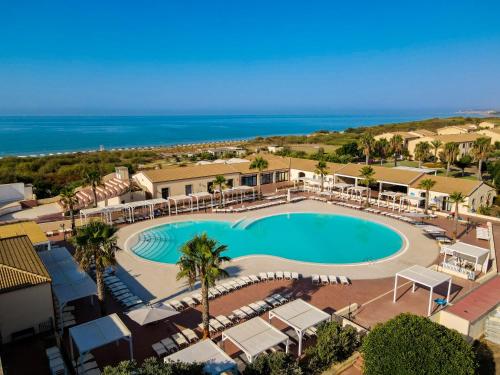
(119, 57)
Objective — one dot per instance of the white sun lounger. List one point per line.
(344, 280)
(287, 275)
(180, 340)
(263, 276)
(159, 349)
(125, 296)
(221, 289)
(246, 279)
(324, 279)
(214, 291)
(197, 297)
(270, 275)
(120, 292)
(228, 286)
(240, 283)
(83, 368)
(247, 310)
(315, 279)
(224, 321)
(117, 287)
(190, 335)
(255, 307)
(189, 301)
(169, 344)
(332, 279)
(216, 324)
(278, 297)
(295, 276)
(271, 301)
(176, 304)
(240, 314)
(210, 328)
(254, 278)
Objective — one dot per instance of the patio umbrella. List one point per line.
(150, 314)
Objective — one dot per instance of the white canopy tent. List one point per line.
(299, 315)
(97, 333)
(409, 200)
(215, 360)
(69, 283)
(254, 337)
(150, 314)
(181, 198)
(358, 192)
(388, 195)
(470, 253)
(423, 276)
(240, 191)
(202, 196)
(342, 187)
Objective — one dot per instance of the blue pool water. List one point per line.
(307, 237)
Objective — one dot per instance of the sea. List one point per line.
(45, 135)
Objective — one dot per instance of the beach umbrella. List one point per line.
(151, 314)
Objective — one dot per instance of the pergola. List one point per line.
(409, 199)
(69, 283)
(469, 253)
(423, 276)
(359, 191)
(180, 198)
(254, 337)
(97, 333)
(388, 195)
(342, 187)
(239, 190)
(299, 315)
(201, 196)
(215, 360)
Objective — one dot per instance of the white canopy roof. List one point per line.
(424, 276)
(182, 197)
(69, 283)
(201, 194)
(99, 332)
(432, 228)
(476, 252)
(415, 169)
(149, 314)
(206, 351)
(254, 337)
(342, 185)
(389, 193)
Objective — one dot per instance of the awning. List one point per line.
(299, 315)
(215, 359)
(254, 337)
(150, 314)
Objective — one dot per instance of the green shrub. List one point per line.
(410, 344)
(153, 366)
(278, 363)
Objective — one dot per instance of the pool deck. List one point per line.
(154, 281)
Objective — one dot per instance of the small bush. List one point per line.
(277, 363)
(153, 366)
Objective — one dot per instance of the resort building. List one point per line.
(486, 125)
(26, 228)
(407, 136)
(464, 140)
(25, 291)
(456, 129)
(493, 133)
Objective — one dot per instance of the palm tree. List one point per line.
(450, 154)
(367, 173)
(436, 145)
(422, 152)
(382, 148)
(260, 164)
(427, 184)
(480, 151)
(322, 170)
(96, 246)
(397, 146)
(69, 200)
(92, 177)
(367, 143)
(220, 181)
(201, 259)
(456, 198)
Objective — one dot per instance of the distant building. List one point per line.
(457, 129)
(274, 148)
(221, 151)
(26, 306)
(407, 136)
(464, 140)
(493, 133)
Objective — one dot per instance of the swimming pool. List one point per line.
(305, 237)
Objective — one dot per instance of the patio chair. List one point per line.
(159, 349)
(224, 321)
(254, 278)
(169, 344)
(190, 335)
(270, 275)
(324, 279)
(295, 275)
(189, 301)
(180, 340)
(247, 310)
(332, 279)
(279, 275)
(315, 279)
(344, 280)
(287, 275)
(239, 314)
(263, 276)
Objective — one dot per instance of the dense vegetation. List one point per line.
(277, 363)
(409, 344)
(153, 366)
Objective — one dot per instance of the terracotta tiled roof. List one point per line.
(384, 174)
(449, 185)
(20, 265)
(479, 302)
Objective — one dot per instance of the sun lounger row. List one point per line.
(56, 361)
(256, 308)
(279, 275)
(330, 279)
(175, 342)
(250, 208)
(121, 292)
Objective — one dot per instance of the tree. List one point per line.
(220, 181)
(481, 149)
(154, 366)
(92, 177)
(277, 363)
(397, 146)
(260, 164)
(322, 170)
(367, 173)
(95, 245)
(69, 200)
(410, 344)
(456, 198)
(422, 152)
(201, 259)
(450, 153)
(436, 145)
(382, 148)
(367, 143)
(427, 184)
(349, 148)
(464, 162)
(334, 344)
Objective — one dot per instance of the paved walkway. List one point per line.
(157, 281)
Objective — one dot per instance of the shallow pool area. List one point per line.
(304, 237)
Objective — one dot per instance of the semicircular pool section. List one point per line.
(305, 237)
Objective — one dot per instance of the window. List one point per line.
(266, 178)
(249, 180)
(301, 174)
(283, 176)
(210, 187)
(165, 193)
(188, 189)
(229, 183)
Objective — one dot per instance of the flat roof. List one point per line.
(424, 276)
(28, 228)
(299, 314)
(478, 302)
(470, 250)
(207, 352)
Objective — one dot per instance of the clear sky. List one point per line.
(119, 57)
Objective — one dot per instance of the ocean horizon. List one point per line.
(43, 135)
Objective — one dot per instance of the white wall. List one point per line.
(11, 192)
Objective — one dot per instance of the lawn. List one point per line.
(313, 148)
